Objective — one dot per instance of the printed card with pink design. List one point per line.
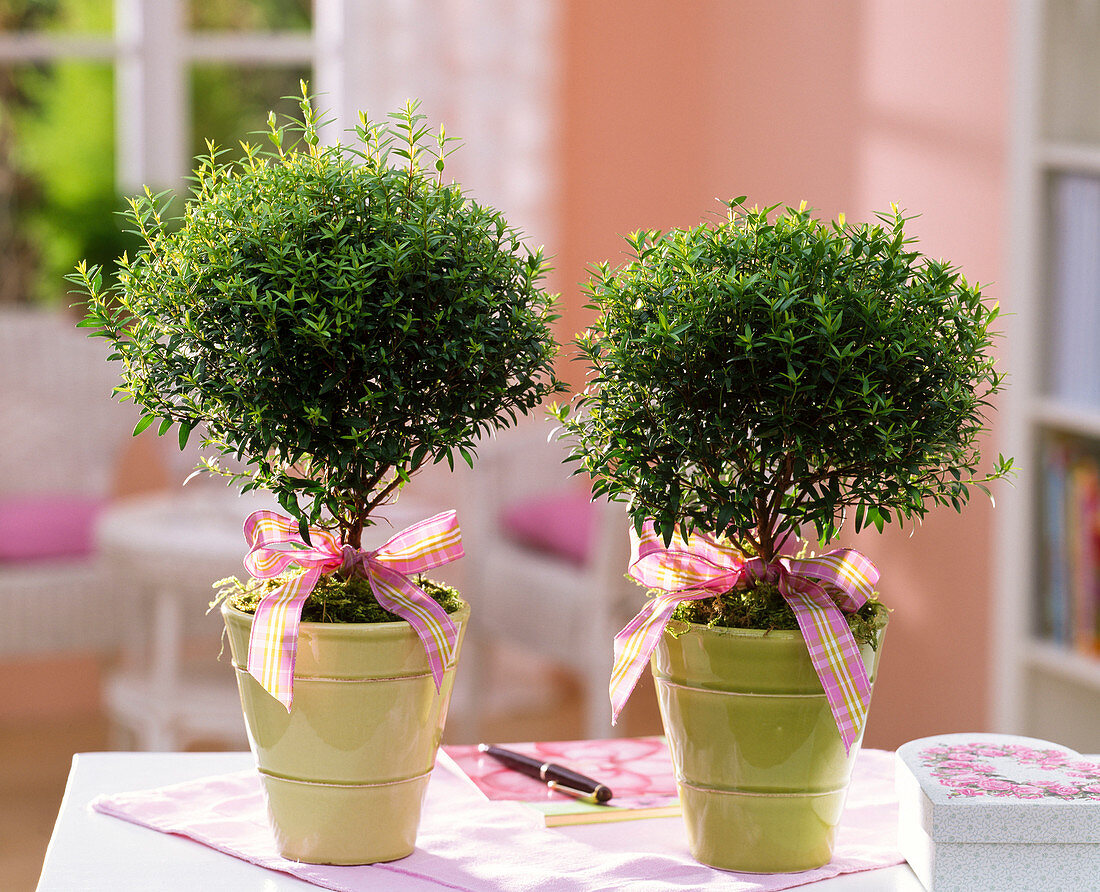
(638, 770)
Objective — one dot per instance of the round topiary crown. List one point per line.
(758, 376)
(334, 316)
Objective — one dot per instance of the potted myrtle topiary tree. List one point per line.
(752, 382)
(334, 318)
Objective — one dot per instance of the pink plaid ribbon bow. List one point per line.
(703, 567)
(276, 545)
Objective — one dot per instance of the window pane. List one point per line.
(61, 150)
(230, 103)
(250, 15)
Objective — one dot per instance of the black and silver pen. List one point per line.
(557, 777)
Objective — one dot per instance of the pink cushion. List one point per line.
(560, 525)
(34, 528)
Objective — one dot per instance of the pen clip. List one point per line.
(558, 787)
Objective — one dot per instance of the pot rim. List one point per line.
(780, 634)
(703, 628)
(459, 615)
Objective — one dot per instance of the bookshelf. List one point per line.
(1046, 666)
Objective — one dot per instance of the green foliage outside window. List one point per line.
(20, 191)
(228, 100)
(57, 204)
(250, 15)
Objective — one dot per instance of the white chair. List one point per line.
(60, 436)
(560, 598)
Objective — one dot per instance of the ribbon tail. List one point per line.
(273, 643)
(835, 656)
(432, 624)
(636, 641)
(633, 646)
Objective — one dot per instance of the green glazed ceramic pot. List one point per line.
(345, 772)
(759, 761)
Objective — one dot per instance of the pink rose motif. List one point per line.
(1041, 756)
(956, 763)
(1078, 771)
(1061, 790)
(970, 778)
(1092, 788)
(984, 769)
(992, 783)
(1027, 791)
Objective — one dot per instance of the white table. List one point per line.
(91, 851)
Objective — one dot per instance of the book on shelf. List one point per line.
(1074, 367)
(637, 769)
(1069, 609)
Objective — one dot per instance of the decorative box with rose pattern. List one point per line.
(995, 811)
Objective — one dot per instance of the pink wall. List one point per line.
(849, 105)
(934, 138)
